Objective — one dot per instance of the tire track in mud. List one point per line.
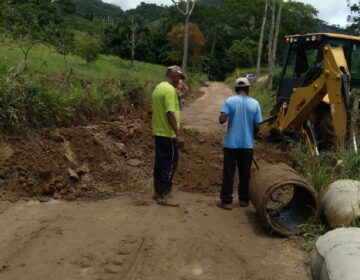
(19, 244)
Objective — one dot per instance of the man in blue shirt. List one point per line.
(243, 115)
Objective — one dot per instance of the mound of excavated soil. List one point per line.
(101, 160)
(92, 161)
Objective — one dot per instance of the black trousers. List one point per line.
(242, 158)
(166, 162)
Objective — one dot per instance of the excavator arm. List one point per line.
(330, 85)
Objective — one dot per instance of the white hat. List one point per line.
(177, 69)
(242, 82)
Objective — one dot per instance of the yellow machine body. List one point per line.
(327, 87)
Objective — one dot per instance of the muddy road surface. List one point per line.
(130, 237)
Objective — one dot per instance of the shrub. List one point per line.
(87, 47)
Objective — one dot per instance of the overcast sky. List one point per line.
(332, 11)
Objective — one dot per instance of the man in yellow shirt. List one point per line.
(166, 129)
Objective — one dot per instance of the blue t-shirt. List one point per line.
(243, 113)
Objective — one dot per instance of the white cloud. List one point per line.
(332, 11)
(130, 4)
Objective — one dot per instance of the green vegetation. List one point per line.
(97, 90)
(192, 132)
(320, 172)
(328, 167)
(311, 232)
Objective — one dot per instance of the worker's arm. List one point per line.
(223, 118)
(258, 121)
(256, 129)
(172, 121)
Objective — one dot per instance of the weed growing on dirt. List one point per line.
(32, 102)
(192, 132)
(311, 232)
(355, 223)
(328, 167)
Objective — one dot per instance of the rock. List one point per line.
(199, 161)
(96, 141)
(22, 180)
(202, 141)
(56, 137)
(83, 169)
(57, 196)
(48, 190)
(73, 175)
(121, 147)
(44, 199)
(134, 162)
(45, 174)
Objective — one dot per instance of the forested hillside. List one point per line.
(223, 37)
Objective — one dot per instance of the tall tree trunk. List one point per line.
(274, 45)
(186, 42)
(213, 45)
(133, 45)
(271, 39)
(187, 13)
(261, 42)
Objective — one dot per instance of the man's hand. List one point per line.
(180, 141)
(223, 118)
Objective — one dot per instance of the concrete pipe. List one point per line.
(340, 203)
(336, 255)
(282, 198)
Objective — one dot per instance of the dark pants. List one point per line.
(243, 159)
(166, 161)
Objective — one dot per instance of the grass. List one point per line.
(192, 132)
(100, 89)
(311, 232)
(328, 167)
(320, 172)
(46, 61)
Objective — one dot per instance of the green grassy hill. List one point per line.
(97, 8)
(98, 90)
(46, 61)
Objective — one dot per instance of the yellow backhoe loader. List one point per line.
(316, 90)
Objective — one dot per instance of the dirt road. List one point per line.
(131, 237)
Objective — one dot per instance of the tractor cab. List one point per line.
(304, 57)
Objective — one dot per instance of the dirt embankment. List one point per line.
(130, 236)
(104, 159)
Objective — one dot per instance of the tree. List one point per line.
(354, 17)
(196, 42)
(66, 6)
(243, 53)
(28, 23)
(273, 39)
(260, 47)
(186, 12)
(134, 25)
(64, 42)
(88, 47)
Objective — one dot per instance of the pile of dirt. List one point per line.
(94, 161)
(104, 159)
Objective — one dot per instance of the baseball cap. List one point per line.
(242, 82)
(177, 69)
